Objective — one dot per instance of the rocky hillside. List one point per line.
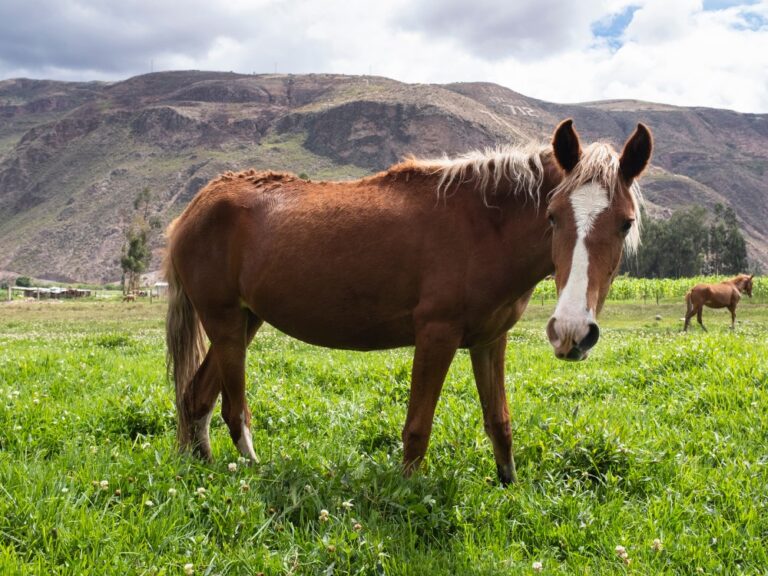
(73, 156)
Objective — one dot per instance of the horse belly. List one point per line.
(330, 315)
(335, 294)
(718, 296)
(394, 333)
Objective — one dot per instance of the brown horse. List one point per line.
(436, 254)
(725, 294)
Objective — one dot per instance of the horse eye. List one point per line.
(551, 219)
(626, 226)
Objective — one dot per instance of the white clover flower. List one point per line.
(537, 566)
(657, 545)
(189, 569)
(323, 515)
(104, 484)
(172, 492)
(621, 552)
(232, 467)
(347, 504)
(145, 445)
(149, 503)
(201, 492)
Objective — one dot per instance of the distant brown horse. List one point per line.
(725, 294)
(436, 254)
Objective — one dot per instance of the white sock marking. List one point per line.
(245, 443)
(201, 428)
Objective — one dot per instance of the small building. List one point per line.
(54, 292)
(160, 289)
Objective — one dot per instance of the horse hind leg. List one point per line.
(689, 311)
(698, 318)
(688, 315)
(200, 400)
(217, 370)
(237, 329)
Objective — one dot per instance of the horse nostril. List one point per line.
(575, 353)
(551, 332)
(591, 338)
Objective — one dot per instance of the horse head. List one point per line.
(594, 215)
(747, 284)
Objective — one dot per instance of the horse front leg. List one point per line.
(733, 316)
(436, 345)
(488, 367)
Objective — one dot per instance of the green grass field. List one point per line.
(657, 443)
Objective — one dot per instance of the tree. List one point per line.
(734, 248)
(689, 243)
(135, 259)
(672, 248)
(24, 281)
(136, 254)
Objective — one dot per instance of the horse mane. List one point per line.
(520, 166)
(255, 176)
(739, 279)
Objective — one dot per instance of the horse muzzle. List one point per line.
(572, 341)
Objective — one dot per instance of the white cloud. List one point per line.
(674, 52)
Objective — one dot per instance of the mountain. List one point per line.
(74, 155)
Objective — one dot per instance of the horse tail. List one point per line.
(688, 302)
(185, 341)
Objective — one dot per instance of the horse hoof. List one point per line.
(203, 452)
(506, 474)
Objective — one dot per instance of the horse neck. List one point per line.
(743, 283)
(738, 282)
(525, 227)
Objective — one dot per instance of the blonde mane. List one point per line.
(519, 166)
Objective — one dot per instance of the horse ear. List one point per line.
(636, 153)
(566, 144)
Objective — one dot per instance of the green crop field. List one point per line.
(658, 443)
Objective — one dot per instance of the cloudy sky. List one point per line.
(686, 52)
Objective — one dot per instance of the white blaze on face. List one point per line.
(588, 202)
